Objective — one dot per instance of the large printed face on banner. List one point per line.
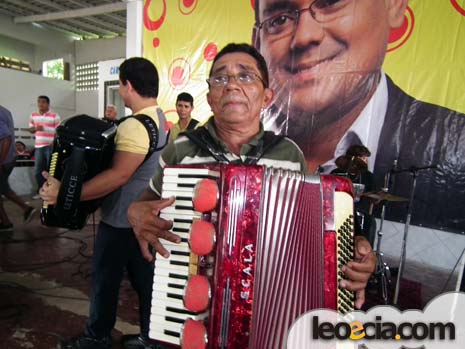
(321, 54)
(377, 72)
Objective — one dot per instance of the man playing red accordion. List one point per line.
(238, 92)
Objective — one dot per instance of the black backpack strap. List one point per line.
(268, 141)
(203, 139)
(153, 133)
(192, 124)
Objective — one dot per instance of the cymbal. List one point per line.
(383, 196)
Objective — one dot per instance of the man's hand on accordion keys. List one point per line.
(359, 271)
(149, 228)
(50, 189)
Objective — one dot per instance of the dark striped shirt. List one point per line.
(285, 154)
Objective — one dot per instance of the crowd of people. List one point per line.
(131, 231)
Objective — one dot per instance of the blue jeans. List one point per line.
(42, 157)
(116, 250)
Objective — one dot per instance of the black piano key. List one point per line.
(173, 319)
(172, 333)
(177, 276)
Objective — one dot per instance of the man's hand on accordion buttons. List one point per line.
(50, 189)
(358, 271)
(150, 228)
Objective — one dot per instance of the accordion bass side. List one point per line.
(280, 238)
(82, 148)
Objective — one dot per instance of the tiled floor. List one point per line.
(44, 284)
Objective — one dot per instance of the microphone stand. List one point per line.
(414, 171)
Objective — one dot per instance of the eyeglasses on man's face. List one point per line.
(285, 22)
(242, 78)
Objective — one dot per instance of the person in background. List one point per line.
(111, 114)
(7, 163)
(42, 124)
(116, 248)
(21, 152)
(184, 107)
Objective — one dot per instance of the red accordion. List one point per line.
(280, 239)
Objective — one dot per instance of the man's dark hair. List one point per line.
(185, 97)
(250, 50)
(44, 98)
(142, 74)
(357, 150)
(19, 142)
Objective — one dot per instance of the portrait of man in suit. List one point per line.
(325, 60)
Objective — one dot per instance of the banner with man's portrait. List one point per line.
(387, 75)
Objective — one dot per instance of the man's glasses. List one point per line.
(285, 22)
(242, 78)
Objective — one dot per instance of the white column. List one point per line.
(134, 23)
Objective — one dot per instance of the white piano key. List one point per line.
(186, 211)
(159, 336)
(167, 324)
(165, 264)
(181, 247)
(164, 298)
(176, 171)
(164, 311)
(187, 194)
(166, 289)
(162, 279)
(170, 273)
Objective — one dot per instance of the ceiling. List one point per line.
(85, 19)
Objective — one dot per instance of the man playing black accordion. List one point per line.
(116, 247)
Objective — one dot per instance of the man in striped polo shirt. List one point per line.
(238, 91)
(43, 125)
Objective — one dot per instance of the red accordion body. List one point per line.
(281, 238)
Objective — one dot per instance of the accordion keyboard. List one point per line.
(168, 312)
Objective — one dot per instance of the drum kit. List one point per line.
(382, 275)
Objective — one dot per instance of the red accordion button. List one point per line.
(194, 335)
(202, 237)
(205, 195)
(197, 293)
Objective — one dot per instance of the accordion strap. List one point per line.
(71, 184)
(204, 140)
(152, 131)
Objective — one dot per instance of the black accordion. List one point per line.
(83, 147)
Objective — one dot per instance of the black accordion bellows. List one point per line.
(83, 147)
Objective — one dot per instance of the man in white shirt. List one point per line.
(43, 125)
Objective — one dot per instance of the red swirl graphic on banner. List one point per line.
(179, 73)
(459, 8)
(210, 51)
(252, 3)
(399, 36)
(148, 23)
(186, 7)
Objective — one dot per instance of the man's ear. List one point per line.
(256, 37)
(396, 12)
(269, 95)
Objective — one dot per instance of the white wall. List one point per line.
(17, 49)
(89, 51)
(19, 92)
(48, 44)
(87, 103)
